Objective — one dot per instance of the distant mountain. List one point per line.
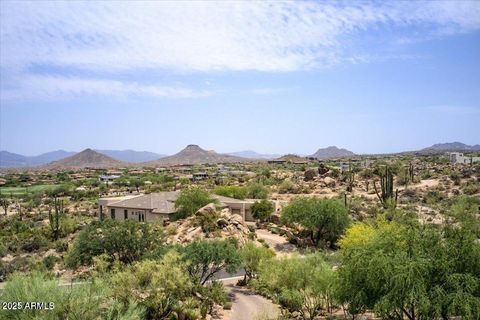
(450, 146)
(86, 158)
(132, 155)
(13, 160)
(249, 154)
(331, 152)
(292, 158)
(193, 154)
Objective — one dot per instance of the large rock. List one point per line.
(322, 169)
(329, 182)
(310, 174)
(208, 209)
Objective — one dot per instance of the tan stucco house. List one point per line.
(160, 206)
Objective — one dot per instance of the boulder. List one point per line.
(275, 218)
(329, 182)
(310, 174)
(222, 222)
(322, 169)
(208, 209)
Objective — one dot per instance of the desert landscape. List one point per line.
(239, 238)
(239, 160)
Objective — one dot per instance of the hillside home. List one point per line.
(460, 158)
(108, 179)
(160, 206)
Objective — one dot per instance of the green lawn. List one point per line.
(18, 191)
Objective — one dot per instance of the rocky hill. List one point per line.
(193, 154)
(132, 155)
(450, 146)
(331, 152)
(86, 158)
(14, 160)
(292, 158)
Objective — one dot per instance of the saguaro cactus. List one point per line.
(54, 218)
(386, 196)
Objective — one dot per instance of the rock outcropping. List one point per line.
(223, 225)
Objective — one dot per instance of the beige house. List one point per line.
(160, 206)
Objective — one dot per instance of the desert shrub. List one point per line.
(165, 287)
(3, 250)
(455, 177)
(61, 246)
(471, 188)
(207, 221)
(426, 174)
(190, 200)
(231, 191)
(49, 262)
(257, 190)
(324, 219)
(303, 285)
(465, 210)
(87, 301)
(126, 241)
(405, 269)
(262, 209)
(434, 197)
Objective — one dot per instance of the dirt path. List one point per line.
(277, 243)
(247, 305)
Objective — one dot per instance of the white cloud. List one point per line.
(104, 38)
(53, 87)
(209, 36)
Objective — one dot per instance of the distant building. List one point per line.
(277, 161)
(200, 176)
(460, 158)
(108, 178)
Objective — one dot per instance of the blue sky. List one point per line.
(274, 77)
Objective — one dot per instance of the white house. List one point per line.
(460, 158)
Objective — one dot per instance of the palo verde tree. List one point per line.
(407, 270)
(206, 258)
(324, 219)
(190, 200)
(252, 255)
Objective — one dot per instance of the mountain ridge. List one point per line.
(331, 152)
(193, 154)
(87, 158)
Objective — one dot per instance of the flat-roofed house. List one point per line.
(160, 206)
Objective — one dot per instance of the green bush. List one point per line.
(190, 200)
(231, 191)
(324, 219)
(125, 241)
(262, 209)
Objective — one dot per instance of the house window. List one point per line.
(125, 214)
(112, 213)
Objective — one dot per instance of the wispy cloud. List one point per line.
(54, 87)
(107, 37)
(209, 36)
